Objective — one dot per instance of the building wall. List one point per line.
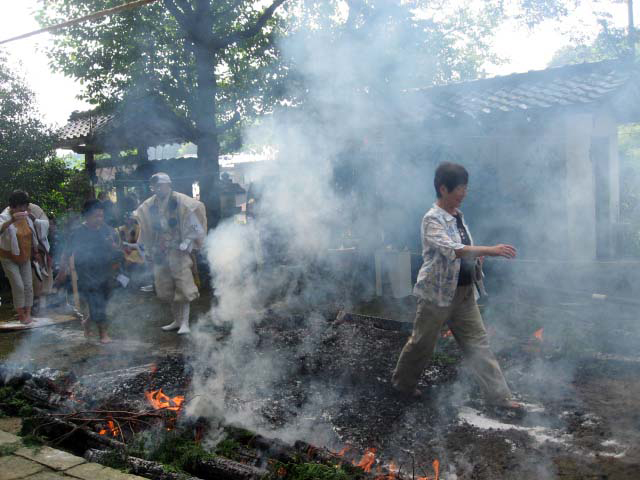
(580, 184)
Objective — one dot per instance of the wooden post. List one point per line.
(90, 166)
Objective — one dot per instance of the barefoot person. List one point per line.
(42, 279)
(93, 248)
(447, 289)
(18, 244)
(172, 225)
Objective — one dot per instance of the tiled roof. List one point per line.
(561, 87)
(83, 126)
(138, 121)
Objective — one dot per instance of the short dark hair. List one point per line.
(91, 206)
(17, 198)
(450, 175)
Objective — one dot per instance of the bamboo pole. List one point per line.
(75, 21)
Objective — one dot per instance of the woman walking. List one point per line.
(447, 288)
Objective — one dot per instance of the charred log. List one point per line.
(137, 466)
(68, 433)
(225, 469)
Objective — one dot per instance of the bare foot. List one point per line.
(414, 394)
(104, 336)
(86, 328)
(510, 406)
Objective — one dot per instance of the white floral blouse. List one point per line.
(438, 276)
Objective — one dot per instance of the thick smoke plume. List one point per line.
(354, 167)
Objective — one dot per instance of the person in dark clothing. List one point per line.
(93, 246)
(110, 213)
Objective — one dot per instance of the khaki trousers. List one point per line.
(174, 278)
(464, 319)
(19, 276)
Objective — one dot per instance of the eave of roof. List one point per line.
(573, 86)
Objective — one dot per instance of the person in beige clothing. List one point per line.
(172, 226)
(447, 289)
(18, 243)
(44, 285)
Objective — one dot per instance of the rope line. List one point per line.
(75, 21)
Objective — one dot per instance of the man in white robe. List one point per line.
(172, 226)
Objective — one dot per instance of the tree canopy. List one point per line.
(27, 154)
(215, 63)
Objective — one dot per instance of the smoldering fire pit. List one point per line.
(328, 388)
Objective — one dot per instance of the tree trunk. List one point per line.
(205, 110)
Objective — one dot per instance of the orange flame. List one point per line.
(538, 333)
(161, 401)
(436, 471)
(341, 452)
(393, 472)
(115, 431)
(367, 460)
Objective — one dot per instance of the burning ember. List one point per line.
(538, 334)
(115, 431)
(436, 471)
(160, 401)
(367, 460)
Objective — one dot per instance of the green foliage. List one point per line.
(611, 43)
(312, 471)
(239, 434)
(27, 154)
(160, 48)
(33, 441)
(8, 449)
(179, 450)
(228, 448)
(149, 49)
(13, 403)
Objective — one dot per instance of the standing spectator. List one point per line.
(18, 243)
(109, 209)
(42, 273)
(133, 255)
(93, 249)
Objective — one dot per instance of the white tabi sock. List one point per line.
(176, 310)
(184, 321)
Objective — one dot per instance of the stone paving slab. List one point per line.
(46, 475)
(12, 467)
(95, 471)
(8, 438)
(11, 424)
(46, 463)
(87, 471)
(50, 457)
